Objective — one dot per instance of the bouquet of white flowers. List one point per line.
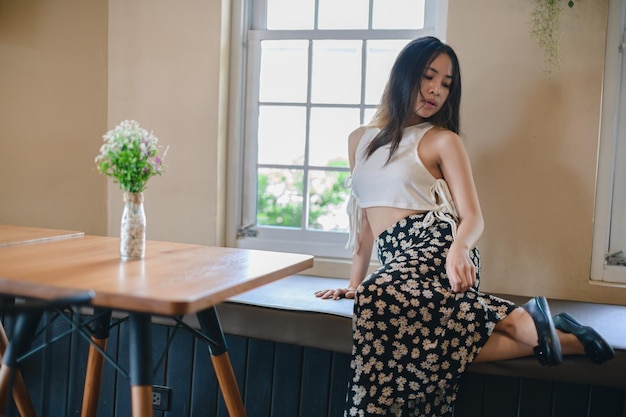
(129, 155)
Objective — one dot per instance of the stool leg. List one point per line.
(210, 324)
(93, 378)
(25, 327)
(95, 363)
(20, 393)
(5, 381)
(140, 350)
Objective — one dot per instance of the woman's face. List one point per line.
(434, 87)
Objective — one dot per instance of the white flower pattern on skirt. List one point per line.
(414, 337)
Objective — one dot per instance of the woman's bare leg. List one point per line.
(516, 335)
(500, 347)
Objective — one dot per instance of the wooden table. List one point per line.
(22, 235)
(173, 279)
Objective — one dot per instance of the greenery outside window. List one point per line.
(314, 70)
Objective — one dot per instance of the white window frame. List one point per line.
(610, 130)
(242, 230)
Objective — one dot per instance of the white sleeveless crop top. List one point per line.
(403, 183)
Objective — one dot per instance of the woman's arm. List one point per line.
(364, 240)
(455, 167)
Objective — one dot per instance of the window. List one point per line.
(609, 246)
(314, 71)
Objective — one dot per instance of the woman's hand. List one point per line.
(336, 294)
(460, 269)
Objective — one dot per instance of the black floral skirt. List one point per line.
(414, 337)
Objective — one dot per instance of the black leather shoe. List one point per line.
(548, 349)
(596, 348)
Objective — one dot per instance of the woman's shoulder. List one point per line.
(438, 144)
(357, 134)
(442, 137)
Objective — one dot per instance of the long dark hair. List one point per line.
(401, 93)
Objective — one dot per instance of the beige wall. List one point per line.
(70, 70)
(168, 70)
(73, 69)
(533, 142)
(53, 98)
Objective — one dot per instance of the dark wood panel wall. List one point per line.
(276, 380)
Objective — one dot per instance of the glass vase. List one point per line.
(133, 230)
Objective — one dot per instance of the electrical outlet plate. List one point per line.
(161, 397)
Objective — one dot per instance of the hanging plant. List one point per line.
(545, 28)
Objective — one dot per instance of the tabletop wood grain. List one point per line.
(172, 279)
(21, 235)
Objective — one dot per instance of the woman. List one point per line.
(420, 319)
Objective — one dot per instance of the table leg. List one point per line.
(24, 330)
(210, 324)
(95, 362)
(140, 335)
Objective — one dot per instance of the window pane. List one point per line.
(284, 71)
(327, 203)
(380, 58)
(309, 90)
(328, 140)
(281, 135)
(279, 194)
(336, 74)
(398, 14)
(290, 14)
(343, 14)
